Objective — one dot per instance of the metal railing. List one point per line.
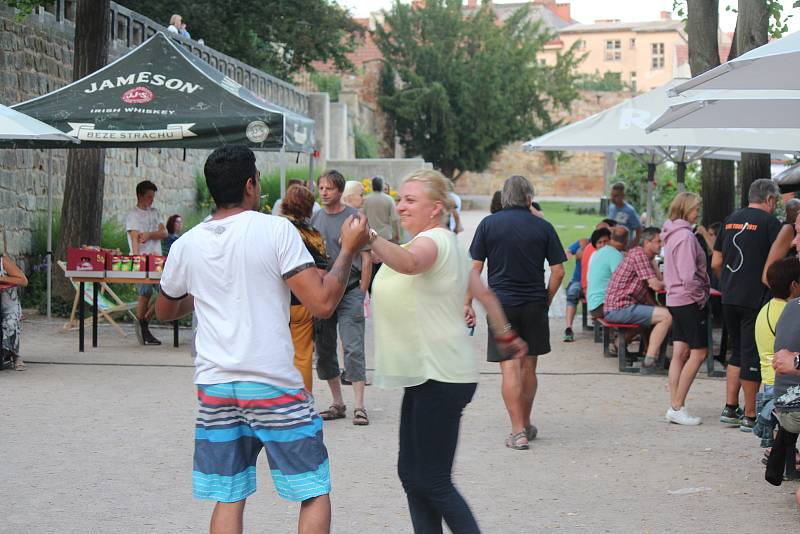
(128, 29)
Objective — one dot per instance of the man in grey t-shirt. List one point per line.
(145, 229)
(349, 315)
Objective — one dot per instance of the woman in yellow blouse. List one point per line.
(422, 344)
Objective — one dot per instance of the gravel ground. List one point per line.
(102, 441)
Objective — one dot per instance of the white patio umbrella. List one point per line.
(731, 109)
(622, 128)
(18, 130)
(773, 66)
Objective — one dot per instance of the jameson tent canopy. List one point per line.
(159, 95)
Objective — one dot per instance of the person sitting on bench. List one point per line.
(629, 299)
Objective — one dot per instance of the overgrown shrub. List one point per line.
(327, 83)
(366, 144)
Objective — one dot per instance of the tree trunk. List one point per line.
(752, 24)
(717, 175)
(82, 209)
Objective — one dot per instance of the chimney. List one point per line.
(666, 15)
(562, 11)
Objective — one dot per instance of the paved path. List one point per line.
(102, 442)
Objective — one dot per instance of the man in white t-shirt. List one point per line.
(145, 229)
(236, 272)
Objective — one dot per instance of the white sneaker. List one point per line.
(682, 417)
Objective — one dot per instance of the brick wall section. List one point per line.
(579, 174)
(36, 57)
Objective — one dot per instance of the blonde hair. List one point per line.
(351, 189)
(437, 187)
(175, 20)
(682, 205)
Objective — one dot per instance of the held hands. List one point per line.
(517, 348)
(144, 237)
(355, 233)
(783, 362)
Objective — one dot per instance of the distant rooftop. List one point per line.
(615, 26)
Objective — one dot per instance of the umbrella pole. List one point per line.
(681, 174)
(651, 176)
(49, 232)
(311, 171)
(282, 156)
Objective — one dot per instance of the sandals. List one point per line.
(360, 417)
(19, 365)
(518, 441)
(335, 411)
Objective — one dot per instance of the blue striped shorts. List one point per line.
(236, 420)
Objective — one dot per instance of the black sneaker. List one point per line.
(569, 335)
(731, 416)
(747, 424)
(150, 339)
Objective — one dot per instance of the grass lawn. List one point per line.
(570, 226)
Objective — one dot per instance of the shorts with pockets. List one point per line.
(236, 420)
(690, 325)
(531, 323)
(741, 325)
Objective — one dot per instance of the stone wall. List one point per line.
(577, 174)
(36, 57)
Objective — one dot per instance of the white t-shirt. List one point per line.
(147, 220)
(234, 269)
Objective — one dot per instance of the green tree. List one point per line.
(468, 86)
(281, 37)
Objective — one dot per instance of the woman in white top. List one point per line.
(353, 194)
(175, 24)
(11, 277)
(422, 344)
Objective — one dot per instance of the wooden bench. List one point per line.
(626, 366)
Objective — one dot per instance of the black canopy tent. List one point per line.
(158, 95)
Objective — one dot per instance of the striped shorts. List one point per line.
(236, 420)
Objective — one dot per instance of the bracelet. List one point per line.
(506, 337)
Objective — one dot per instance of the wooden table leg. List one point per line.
(94, 313)
(81, 287)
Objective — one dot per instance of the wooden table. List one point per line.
(95, 284)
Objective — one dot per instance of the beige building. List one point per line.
(643, 55)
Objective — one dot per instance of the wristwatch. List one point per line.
(373, 235)
(797, 361)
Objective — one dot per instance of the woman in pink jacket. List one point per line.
(687, 287)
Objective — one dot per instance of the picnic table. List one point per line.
(81, 281)
(710, 358)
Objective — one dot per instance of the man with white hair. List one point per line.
(516, 244)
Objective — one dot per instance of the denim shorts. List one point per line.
(574, 293)
(145, 290)
(640, 314)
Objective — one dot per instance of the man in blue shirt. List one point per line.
(516, 244)
(624, 213)
(574, 287)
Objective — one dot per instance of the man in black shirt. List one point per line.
(516, 244)
(740, 251)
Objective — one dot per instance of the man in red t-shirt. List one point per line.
(629, 296)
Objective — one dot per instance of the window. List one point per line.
(581, 44)
(632, 80)
(632, 43)
(614, 50)
(542, 62)
(657, 57)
